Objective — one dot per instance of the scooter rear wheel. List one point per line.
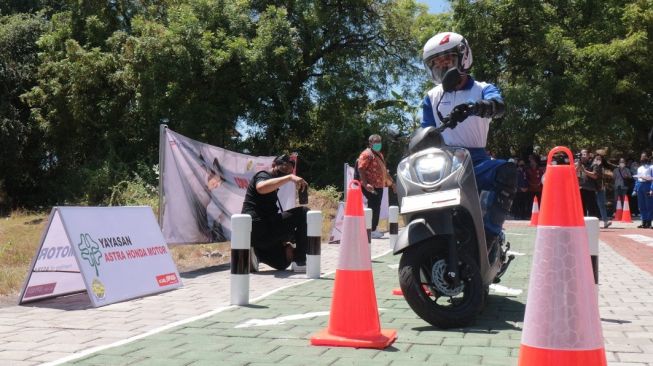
(428, 292)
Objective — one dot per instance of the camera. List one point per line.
(303, 196)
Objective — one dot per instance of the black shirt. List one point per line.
(260, 206)
(586, 182)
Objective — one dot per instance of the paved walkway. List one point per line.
(196, 326)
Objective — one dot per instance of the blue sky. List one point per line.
(436, 6)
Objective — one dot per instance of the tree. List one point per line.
(266, 76)
(21, 145)
(572, 72)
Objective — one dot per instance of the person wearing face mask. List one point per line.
(622, 176)
(523, 200)
(374, 177)
(273, 229)
(448, 59)
(534, 174)
(597, 167)
(643, 191)
(587, 177)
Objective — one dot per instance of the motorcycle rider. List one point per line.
(448, 59)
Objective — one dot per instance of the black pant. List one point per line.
(632, 203)
(269, 237)
(590, 208)
(521, 206)
(374, 203)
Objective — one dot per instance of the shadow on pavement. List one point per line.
(500, 313)
(206, 270)
(78, 301)
(616, 321)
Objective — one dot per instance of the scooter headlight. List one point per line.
(429, 168)
(403, 169)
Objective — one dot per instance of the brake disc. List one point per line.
(437, 277)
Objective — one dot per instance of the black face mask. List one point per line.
(276, 172)
(451, 80)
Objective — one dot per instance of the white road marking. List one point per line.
(518, 254)
(280, 320)
(643, 239)
(505, 290)
(393, 266)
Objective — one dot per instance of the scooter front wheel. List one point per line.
(429, 293)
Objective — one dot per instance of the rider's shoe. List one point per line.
(298, 267)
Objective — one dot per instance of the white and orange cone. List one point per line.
(354, 317)
(562, 326)
(619, 212)
(535, 212)
(625, 216)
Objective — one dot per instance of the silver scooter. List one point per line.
(446, 266)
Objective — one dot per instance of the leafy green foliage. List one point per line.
(85, 84)
(573, 72)
(21, 145)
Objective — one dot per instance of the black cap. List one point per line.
(283, 159)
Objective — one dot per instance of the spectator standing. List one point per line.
(621, 175)
(534, 175)
(587, 182)
(522, 206)
(597, 167)
(374, 177)
(643, 191)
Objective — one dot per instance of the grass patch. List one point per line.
(19, 238)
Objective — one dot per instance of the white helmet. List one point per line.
(444, 44)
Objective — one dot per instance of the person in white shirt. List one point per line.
(448, 59)
(643, 190)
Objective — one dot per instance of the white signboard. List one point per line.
(112, 253)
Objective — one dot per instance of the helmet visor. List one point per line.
(438, 65)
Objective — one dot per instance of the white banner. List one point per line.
(114, 253)
(203, 186)
(336, 225)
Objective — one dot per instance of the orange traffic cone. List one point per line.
(397, 291)
(625, 216)
(535, 212)
(562, 326)
(619, 212)
(354, 318)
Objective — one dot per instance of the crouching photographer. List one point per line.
(279, 237)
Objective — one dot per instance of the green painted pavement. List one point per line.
(493, 340)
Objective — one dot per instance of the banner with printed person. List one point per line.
(202, 186)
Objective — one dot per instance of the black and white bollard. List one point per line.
(314, 231)
(241, 229)
(393, 224)
(592, 227)
(368, 224)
